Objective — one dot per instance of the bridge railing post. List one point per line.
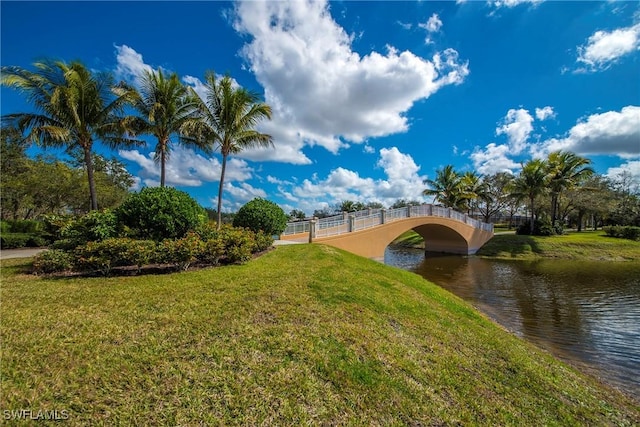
(345, 215)
(383, 216)
(312, 230)
(352, 223)
(408, 211)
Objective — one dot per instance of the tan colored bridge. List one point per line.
(368, 233)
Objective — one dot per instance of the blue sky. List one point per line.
(368, 98)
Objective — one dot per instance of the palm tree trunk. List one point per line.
(88, 161)
(532, 215)
(224, 166)
(163, 159)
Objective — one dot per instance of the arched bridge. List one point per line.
(367, 233)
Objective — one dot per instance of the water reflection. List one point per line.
(587, 313)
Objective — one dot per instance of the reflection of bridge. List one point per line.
(369, 232)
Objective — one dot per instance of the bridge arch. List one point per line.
(443, 230)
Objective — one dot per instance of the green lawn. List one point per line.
(589, 245)
(305, 334)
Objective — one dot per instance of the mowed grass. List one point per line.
(305, 334)
(586, 245)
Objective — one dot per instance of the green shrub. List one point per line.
(14, 240)
(263, 241)
(36, 241)
(4, 227)
(26, 226)
(261, 215)
(238, 244)
(104, 255)
(182, 252)
(53, 224)
(160, 213)
(52, 261)
(92, 227)
(623, 232)
(541, 227)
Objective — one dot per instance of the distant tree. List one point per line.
(447, 187)
(565, 171)
(495, 195)
(530, 184)
(402, 203)
(296, 214)
(374, 205)
(349, 206)
(261, 215)
(227, 119)
(75, 106)
(324, 212)
(164, 105)
(472, 188)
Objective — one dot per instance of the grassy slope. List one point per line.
(304, 334)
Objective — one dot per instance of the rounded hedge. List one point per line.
(160, 213)
(261, 215)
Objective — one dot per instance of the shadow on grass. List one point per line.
(514, 245)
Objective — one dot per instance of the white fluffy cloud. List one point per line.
(612, 132)
(517, 126)
(630, 168)
(604, 48)
(130, 64)
(513, 3)
(492, 159)
(545, 113)
(321, 91)
(402, 181)
(240, 194)
(186, 168)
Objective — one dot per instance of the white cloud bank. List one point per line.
(517, 126)
(321, 91)
(604, 48)
(402, 181)
(513, 3)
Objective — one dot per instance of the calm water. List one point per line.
(586, 313)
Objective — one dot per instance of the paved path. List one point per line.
(19, 253)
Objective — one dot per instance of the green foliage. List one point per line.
(52, 261)
(261, 215)
(4, 227)
(263, 241)
(541, 227)
(24, 226)
(623, 232)
(14, 240)
(238, 244)
(182, 252)
(160, 213)
(102, 256)
(92, 227)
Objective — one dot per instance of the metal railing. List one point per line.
(369, 218)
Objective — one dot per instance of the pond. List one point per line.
(586, 313)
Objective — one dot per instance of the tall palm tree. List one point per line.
(531, 183)
(566, 170)
(74, 108)
(473, 189)
(447, 187)
(227, 119)
(164, 106)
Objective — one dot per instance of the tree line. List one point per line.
(75, 107)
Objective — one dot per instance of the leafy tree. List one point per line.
(297, 214)
(531, 183)
(374, 205)
(350, 206)
(472, 187)
(74, 108)
(448, 188)
(402, 203)
(160, 213)
(566, 170)
(324, 212)
(227, 119)
(594, 198)
(494, 198)
(164, 105)
(261, 215)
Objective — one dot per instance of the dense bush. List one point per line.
(623, 232)
(53, 261)
(182, 252)
(27, 226)
(541, 227)
(261, 215)
(160, 213)
(92, 227)
(104, 255)
(14, 240)
(4, 227)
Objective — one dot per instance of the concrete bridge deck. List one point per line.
(368, 233)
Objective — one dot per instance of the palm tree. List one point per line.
(227, 118)
(531, 182)
(565, 170)
(74, 107)
(164, 105)
(473, 189)
(447, 187)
